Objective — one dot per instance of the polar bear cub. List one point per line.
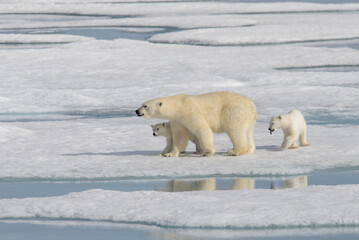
(165, 129)
(293, 126)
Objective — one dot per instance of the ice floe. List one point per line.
(39, 39)
(308, 207)
(91, 149)
(270, 30)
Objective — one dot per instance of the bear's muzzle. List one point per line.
(139, 113)
(270, 130)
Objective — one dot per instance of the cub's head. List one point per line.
(275, 123)
(159, 129)
(150, 109)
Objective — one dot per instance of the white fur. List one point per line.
(206, 114)
(294, 128)
(165, 129)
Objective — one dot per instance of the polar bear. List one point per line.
(165, 129)
(206, 114)
(293, 126)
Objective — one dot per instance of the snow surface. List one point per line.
(309, 207)
(67, 110)
(39, 38)
(92, 149)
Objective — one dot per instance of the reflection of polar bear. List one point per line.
(196, 185)
(165, 129)
(204, 114)
(293, 126)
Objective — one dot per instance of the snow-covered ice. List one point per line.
(37, 39)
(93, 149)
(307, 207)
(67, 107)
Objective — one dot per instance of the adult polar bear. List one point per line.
(204, 114)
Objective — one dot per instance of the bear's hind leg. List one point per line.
(239, 140)
(303, 139)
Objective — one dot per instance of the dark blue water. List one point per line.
(23, 189)
(10, 231)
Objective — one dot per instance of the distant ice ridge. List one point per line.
(39, 38)
(278, 29)
(316, 206)
(79, 7)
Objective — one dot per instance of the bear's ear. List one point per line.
(280, 117)
(159, 104)
(151, 126)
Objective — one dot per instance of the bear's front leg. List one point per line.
(289, 141)
(294, 146)
(171, 154)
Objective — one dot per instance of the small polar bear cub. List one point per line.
(293, 126)
(164, 129)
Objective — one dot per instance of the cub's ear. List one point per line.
(159, 104)
(280, 117)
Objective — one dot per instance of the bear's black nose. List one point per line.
(154, 134)
(137, 112)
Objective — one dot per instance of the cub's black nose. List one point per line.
(154, 134)
(138, 112)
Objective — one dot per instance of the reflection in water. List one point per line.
(197, 185)
(242, 183)
(237, 184)
(296, 182)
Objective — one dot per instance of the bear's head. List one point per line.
(275, 123)
(159, 129)
(150, 109)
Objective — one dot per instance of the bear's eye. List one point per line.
(158, 129)
(272, 124)
(145, 106)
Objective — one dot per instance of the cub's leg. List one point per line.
(168, 147)
(250, 140)
(303, 139)
(289, 141)
(180, 137)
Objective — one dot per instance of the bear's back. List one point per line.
(297, 119)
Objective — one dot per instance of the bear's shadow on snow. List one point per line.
(270, 148)
(124, 153)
